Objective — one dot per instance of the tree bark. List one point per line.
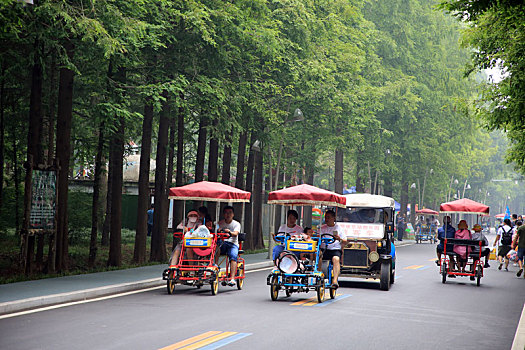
(227, 159)
(96, 198)
(213, 158)
(239, 177)
(388, 185)
(171, 147)
(2, 136)
(258, 242)
(307, 218)
(51, 111)
(117, 154)
(17, 181)
(338, 173)
(139, 254)
(179, 181)
(248, 208)
(359, 186)
(201, 149)
(63, 148)
(104, 240)
(404, 194)
(158, 236)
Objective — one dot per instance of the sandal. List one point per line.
(335, 286)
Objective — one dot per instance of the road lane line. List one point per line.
(326, 298)
(413, 267)
(190, 340)
(52, 307)
(226, 341)
(301, 302)
(423, 268)
(208, 341)
(328, 302)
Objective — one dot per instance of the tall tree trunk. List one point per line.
(359, 186)
(171, 147)
(404, 194)
(388, 185)
(227, 160)
(338, 173)
(239, 177)
(104, 240)
(51, 110)
(63, 150)
(158, 236)
(307, 219)
(2, 135)
(248, 213)
(16, 171)
(213, 158)
(177, 214)
(96, 197)
(139, 254)
(201, 149)
(258, 242)
(117, 154)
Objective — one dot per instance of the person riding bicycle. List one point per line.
(333, 251)
(447, 231)
(230, 246)
(290, 228)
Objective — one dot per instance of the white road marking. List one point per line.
(52, 307)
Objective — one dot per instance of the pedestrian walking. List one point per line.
(401, 227)
(519, 246)
(150, 219)
(504, 238)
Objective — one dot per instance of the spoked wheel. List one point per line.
(320, 293)
(215, 285)
(274, 288)
(240, 273)
(170, 283)
(444, 272)
(384, 282)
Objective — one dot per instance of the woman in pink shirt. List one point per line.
(462, 251)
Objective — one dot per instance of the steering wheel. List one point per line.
(280, 237)
(327, 238)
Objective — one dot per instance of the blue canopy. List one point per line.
(397, 205)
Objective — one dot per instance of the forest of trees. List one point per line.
(195, 83)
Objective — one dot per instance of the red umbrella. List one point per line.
(464, 205)
(427, 212)
(209, 191)
(306, 195)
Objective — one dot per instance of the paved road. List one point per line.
(419, 312)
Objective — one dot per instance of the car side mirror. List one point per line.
(390, 227)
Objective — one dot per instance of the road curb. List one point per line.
(519, 337)
(85, 294)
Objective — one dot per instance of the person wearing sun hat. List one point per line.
(461, 250)
(479, 236)
(190, 223)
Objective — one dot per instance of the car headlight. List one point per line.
(373, 256)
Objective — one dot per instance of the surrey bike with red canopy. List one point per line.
(202, 268)
(448, 258)
(292, 274)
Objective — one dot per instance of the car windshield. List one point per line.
(360, 215)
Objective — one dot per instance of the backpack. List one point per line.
(506, 237)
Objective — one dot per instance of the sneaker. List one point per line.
(519, 272)
(486, 265)
(507, 269)
(500, 266)
(231, 283)
(437, 263)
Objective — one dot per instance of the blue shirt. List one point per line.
(150, 217)
(449, 233)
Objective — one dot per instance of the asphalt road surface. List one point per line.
(419, 312)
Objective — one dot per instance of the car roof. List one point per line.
(365, 200)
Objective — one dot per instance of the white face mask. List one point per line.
(192, 219)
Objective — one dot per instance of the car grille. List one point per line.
(355, 258)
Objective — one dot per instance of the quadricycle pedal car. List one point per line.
(293, 274)
(368, 226)
(201, 269)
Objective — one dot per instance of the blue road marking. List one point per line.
(330, 301)
(225, 341)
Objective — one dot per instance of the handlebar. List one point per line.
(280, 237)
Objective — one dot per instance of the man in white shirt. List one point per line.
(291, 228)
(333, 251)
(230, 246)
(504, 237)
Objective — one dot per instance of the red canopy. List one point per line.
(209, 191)
(464, 205)
(427, 212)
(306, 195)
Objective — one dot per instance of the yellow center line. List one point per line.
(208, 341)
(433, 259)
(300, 302)
(190, 340)
(316, 302)
(414, 267)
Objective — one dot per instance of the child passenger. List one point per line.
(307, 236)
